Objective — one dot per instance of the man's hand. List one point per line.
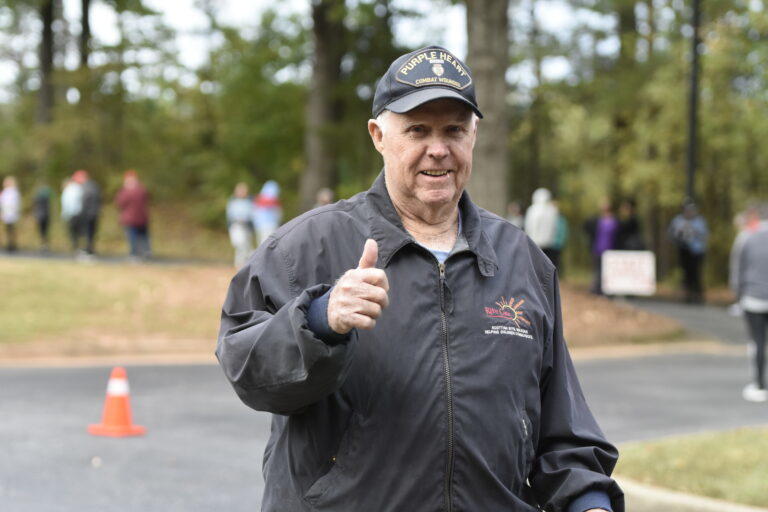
(359, 295)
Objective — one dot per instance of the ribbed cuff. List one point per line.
(590, 500)
(317, 321)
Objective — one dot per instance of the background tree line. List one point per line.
(288, 101)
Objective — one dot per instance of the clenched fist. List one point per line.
(359, 295)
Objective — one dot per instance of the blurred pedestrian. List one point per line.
(91, 209)
(267, 211)
(324, 196)
(561, 238)
(71, 208)
(41, 209)
(601, 231)
(749, 282)
(515, 214)
(629, 236)
(748, 220)
(10, 211)
(132, 202)
(541, 221)
(690, 233)
(239, 215)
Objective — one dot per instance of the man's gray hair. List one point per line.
(381, 120)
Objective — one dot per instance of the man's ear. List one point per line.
(377, 134)
(475, 123)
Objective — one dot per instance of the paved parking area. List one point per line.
(203, 448)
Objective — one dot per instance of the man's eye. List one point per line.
(416, 129)
(455, 129)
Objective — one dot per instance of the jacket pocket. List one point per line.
(526, 429)
(341, 463)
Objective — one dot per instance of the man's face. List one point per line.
(427, 152)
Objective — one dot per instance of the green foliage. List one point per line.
(619, 129)
(614, 126)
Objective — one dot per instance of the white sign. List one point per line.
(629, 273)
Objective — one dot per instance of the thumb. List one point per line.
(370, 254)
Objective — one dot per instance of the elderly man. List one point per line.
(408, 343)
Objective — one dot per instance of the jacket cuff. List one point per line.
(317, 321)
(589, 500)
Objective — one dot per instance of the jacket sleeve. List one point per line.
(572, 455)
(735, 268)
(274, 362)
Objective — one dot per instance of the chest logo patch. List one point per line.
(513, 318)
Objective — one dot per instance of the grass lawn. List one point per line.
(731, 466)
(66, 308)
(60, 307)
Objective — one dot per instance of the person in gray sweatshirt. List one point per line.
(749, 281)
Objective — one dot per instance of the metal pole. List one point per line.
(693, 103)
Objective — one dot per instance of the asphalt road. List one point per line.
(704, 320)
(203, 448)
(202, 451)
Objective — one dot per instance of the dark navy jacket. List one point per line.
(462, 398)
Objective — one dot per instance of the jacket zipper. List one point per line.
(448, 391)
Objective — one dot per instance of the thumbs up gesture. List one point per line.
(360, 294)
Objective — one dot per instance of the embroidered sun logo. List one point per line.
(511, 311)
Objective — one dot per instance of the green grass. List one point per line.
(731, 465)
(106, 307)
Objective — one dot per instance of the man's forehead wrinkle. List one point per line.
(461, 116)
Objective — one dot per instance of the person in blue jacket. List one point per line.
(690, 233)
(408, 343)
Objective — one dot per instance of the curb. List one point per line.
(654, 349)
(109, 360)
(578, 354)
(645, 498)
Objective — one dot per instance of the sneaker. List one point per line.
(752, 393)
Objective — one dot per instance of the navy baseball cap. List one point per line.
(424, 75)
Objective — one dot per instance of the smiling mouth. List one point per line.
(436, 174)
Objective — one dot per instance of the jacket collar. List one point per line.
(388, 231)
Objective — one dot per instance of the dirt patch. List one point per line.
(590, 320)
(102, 344)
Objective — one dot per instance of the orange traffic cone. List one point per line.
(116, 421)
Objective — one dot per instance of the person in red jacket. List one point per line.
(133, 203)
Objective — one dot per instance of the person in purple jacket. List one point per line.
(602, 231)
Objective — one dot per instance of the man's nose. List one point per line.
(437, 148)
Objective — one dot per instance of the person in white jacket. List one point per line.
(10, 210)
(71, 208)
(541, 221)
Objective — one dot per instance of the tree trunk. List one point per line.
(323, 108)
(534, 174)
(651, 36)
(625, 76)
(116, 141)
(85, 33)
(488, 57)
(46, 94)
(85, 154)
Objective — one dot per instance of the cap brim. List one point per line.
(416, 98)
